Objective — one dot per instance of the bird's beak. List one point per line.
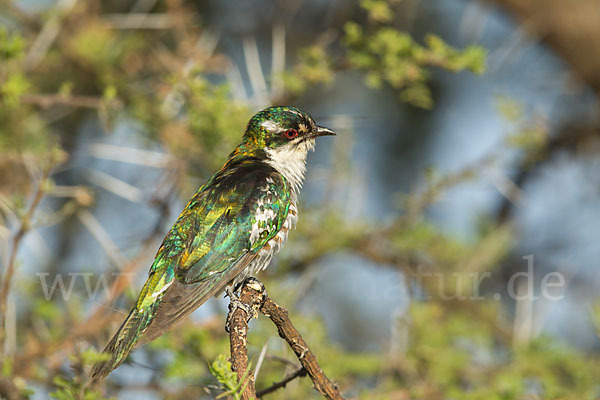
(322, 131)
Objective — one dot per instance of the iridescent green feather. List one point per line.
(210, 237)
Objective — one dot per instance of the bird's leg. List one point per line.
(234, 304)
(249, 284)
(236, 287)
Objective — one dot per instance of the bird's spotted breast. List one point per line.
(265, 254)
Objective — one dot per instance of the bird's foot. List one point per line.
(235, 303)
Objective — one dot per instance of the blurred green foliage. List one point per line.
(386, 55)
(461, 359)
(394, 57)
(72, 390)
(94, 70)
(391, 56)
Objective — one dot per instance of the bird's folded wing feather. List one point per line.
(215, 238)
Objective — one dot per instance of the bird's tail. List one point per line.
(123, 341)
(139, 319)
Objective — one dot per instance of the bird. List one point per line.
(228, 231)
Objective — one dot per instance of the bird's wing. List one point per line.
(218, 235)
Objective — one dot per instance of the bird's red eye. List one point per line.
(290, 134)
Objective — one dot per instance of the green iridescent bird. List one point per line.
(228, 231)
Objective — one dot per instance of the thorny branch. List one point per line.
(254, 297)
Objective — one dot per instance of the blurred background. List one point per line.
(446, 240)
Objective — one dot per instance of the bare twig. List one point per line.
(277, 61)
(288, 332)
(103, 238)
(25, 225)
(282, 360)
(261, 359)
(253, 295)
(255, 72)
(139, 21)
(131, 155)
(56, 99)
(115, 185)
(48, 34)
(281, 384)
(234, 78)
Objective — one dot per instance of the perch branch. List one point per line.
(252, 294)
(254, 297)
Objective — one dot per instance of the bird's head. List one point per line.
(283, 128)
(283, 136)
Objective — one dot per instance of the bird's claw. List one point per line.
(234, 304)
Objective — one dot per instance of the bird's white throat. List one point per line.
(290, 161)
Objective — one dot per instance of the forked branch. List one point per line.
(254, 298)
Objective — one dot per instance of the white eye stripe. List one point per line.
(271, 126)
(296, 112)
